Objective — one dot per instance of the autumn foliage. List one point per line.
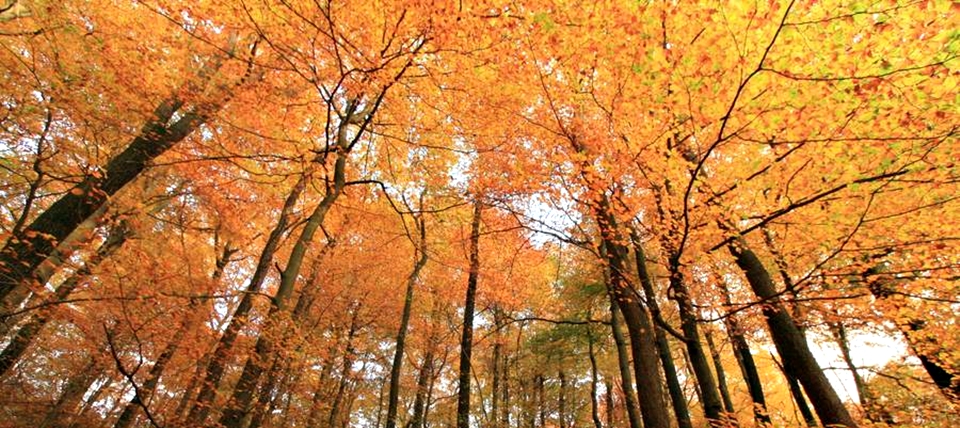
(479, 214)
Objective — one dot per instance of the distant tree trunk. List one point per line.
(412, 279)
(871, 411)
(29, 332)
(192, 317)
(217, 364)
(243, 393)
(66, 406)
(721, 378)
(423, 378)
(495, 396)
(711, 401)
(562, 400)
(594, 404)
(626, 377)
(280, 369)
(421, 400)
(748, 367)
(663, 345)
(345, 371)
(466, 340)
(790, 343)
(87, 411)
(505, 391)
(541, 401)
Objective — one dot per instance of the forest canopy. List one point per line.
(538, 213)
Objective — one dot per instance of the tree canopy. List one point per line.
(544, 213)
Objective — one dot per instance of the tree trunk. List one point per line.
(872, 411)
(80, 236)
(797, 393)
(345, 371)
(562, 400)
(394, 394)
(946, 378)
(721, 378)
(609, 396)
(466, 340)
(170, 124)
(748, 367)
(594, 404)
(711, 401)
(243, 393)
(217, 365)
(790, 343)
(626, 377)
(421, 401)
(27, 333)
(646, 360)
(280, 368)
(541, 401)
(677, 397)
(192, 318)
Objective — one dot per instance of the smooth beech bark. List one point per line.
(798, 360)
(623, 359)
(466, 338)
(171, 122)
(677, 398)
(217, 364)
(748, 367)
(395, 369)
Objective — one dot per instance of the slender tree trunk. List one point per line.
(721, 378)
(495, 396)
(748, 367)
(689, 367)
(466, 340)
(710, 397)
(243, 393)
(680, 409)
(87, 411)
(280, 369)
(217, 365)
(505, 399)
(345, 371)
(594, 404)
(562, 400)
(797, 393)
(29, 332)
(626, 377)
(426, 373)
(872, 412)
(395, 370)
(192, 318)
(790, 343)
(541, 401)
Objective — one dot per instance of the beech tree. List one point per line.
(506, 214)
